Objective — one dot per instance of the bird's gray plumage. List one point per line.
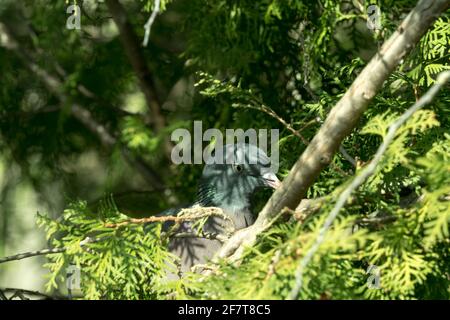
(226, 184)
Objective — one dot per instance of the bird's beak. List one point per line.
(271, 180)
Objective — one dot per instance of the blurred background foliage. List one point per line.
(296, 58)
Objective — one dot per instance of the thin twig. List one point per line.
(375, 220)
(187, 214)
(262, 107)
(43, 252)
(347, 156)
(273, 262)
(148, 25)
(258, 105)
(19, 292)
(24, 255)
(205, 235)
(341, 120)
(365, 173)
(145, 220)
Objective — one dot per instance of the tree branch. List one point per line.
(187, 214)
(305, 142)
(20, 293)
(184, 215)
(133, 50)
(55, 85)
(259, 105)
(44, 252)
(342, 119)
(205, 235)
(149, 23)
(360, 178)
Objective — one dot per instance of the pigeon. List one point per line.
(230, 176)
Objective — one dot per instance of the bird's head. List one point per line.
(232, 174)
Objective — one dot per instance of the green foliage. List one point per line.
(252, 62)
(407, 251)
(150, 5)
(136, 135)
(115, 263)
(433, 53)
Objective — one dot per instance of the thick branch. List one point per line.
(360, 178)
(269, 111)
(342, 119)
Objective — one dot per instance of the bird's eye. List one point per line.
(238, 168)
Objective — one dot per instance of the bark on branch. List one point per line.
(342, 119)
(186, 214)
(361, 177)
(134, 52)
